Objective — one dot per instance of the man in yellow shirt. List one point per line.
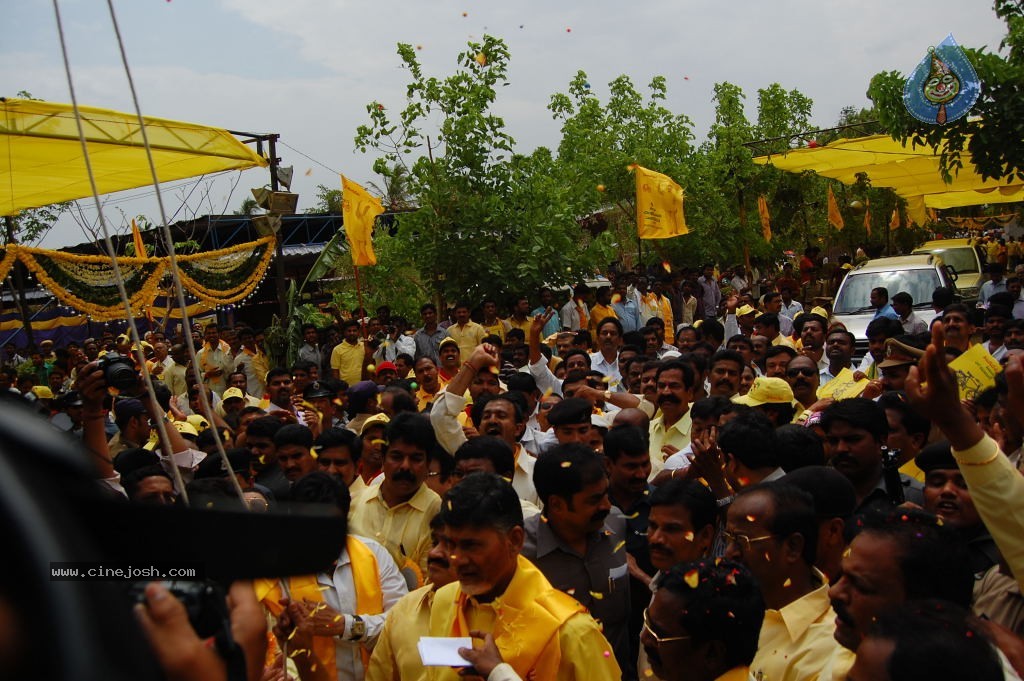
(520, 318)
(703, 622)
(493, 324)
(397, 512)
(670, 431)
(602, 308)
(349, 357)
(772, 529)
(467, 333)
(395, 657)
(539, 631)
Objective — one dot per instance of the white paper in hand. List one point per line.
(443, 651)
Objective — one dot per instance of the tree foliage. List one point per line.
(995, 127)
(487, 221)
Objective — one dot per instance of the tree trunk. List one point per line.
(19, 285)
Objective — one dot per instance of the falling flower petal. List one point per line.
(597, 595)
(619, 545)
(692, 578)
(566, 464)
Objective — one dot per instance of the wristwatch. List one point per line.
(725, 501)
(358, 629)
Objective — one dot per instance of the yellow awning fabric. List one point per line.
(912, 172)
(41, 158)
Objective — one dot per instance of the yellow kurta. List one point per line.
(541, 632)
(797, 641)
(598, 313)
(395, 657)
(404, 530)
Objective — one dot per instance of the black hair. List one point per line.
(275, 372)
(266, 426)
(858, 412)
(933, 558)
(685, 368)
(609, 320)
(883, 326)
(629, 440)
(713, 329)
(340, 437)
(302, 365)
(913, 422)
(445, 462)
(294, 434)
(727, 356)
(318, 487)
(792, 513)
(942, 296)
(903, 298)
(517, 401)
(493, 449)
(133, 478)
(483, 500)
(412, 428)
(570, 411)
(722, 604)
(577, 351)
(767, 319)
(566, 469)
(776, 350)
(751, 439)
(882, 291)
(401, 400)
(691, 495)
(934, 639)
(710, 407)
(799, 447)
(740, 338)
(522, 382)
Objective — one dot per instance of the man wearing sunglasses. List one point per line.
(703, 623)
(803, 377)
(772, 530)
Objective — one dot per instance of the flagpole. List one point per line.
(359, 300)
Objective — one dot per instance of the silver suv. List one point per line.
(918, 275)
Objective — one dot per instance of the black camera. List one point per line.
(204, 602)
(120, 374)
(891, 475)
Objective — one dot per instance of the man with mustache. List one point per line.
(485, 454)
(670, 431)
(576, 542)
(397, 512)
(294, 444)
(395, 656)
(724, 375)
(703, 623)
(838, 354)
(898, 556)
(956, 322)
(772, 529)
(812, 327)
(803, 377)
(855, 431)
(337, 454)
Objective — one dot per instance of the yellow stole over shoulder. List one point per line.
(529, 615)
(369, 597)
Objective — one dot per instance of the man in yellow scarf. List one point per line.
(329, 622)
(540, 632)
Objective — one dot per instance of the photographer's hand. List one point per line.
(248, 626)
(92, 386)
(180, 652)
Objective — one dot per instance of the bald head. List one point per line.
(631, 416)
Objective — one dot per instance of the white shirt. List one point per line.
(609, 369)
(791, 310)
(341, 595)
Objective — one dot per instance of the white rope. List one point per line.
(169, 242)
(118, 278)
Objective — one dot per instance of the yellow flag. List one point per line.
(359, 209)
(894, 222)
(766, 225)
(867, 215)
(140, 248)
(835, 218)
(659, 206)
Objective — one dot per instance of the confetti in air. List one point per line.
(692, 578)
(688, 536)
(788, 583)
(618, 547)
(597, 595)
(566, 464)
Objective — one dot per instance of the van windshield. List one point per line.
(855, 295)
(963, 260)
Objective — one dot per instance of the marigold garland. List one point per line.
(86, 282)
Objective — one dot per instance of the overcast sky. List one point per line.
(307, 68)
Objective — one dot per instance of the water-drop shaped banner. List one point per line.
(944, 86)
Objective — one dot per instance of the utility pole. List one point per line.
(282, 289)
(19, 284)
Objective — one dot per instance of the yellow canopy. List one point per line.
(912, 172)
(41, 158)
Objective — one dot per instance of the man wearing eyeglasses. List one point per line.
(803, 377)
(772, 529)
(703, 623)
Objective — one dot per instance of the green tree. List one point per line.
(995, 125)
(487, 221)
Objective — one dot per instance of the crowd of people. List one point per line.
(647, 480)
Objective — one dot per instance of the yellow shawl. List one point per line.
(369, 597)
